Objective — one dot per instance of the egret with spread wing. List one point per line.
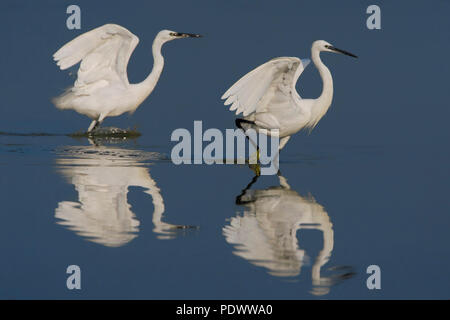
(102, 88)
(268, 99)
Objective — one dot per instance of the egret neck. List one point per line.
(322, 103)
(146, 87)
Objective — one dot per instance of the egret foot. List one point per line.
(256, 168)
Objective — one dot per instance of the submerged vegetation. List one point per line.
(107, 132)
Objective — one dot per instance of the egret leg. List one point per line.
(240, 121)
(240, 199)
(101, 118)
(283, 142)
(239, 125)
(94, 125)
(256, 168)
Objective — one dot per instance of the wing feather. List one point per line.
(104, 52)
(273, 81)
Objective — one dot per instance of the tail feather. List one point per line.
(63, 101)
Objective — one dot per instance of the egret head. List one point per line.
(322, 45)
(167, 35)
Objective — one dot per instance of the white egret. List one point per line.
(102, 88)
(267, 233)
(103, 177)
(268, 99)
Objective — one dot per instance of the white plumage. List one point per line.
(267, 97)
(266, 233)
(258, 89)
(102, 88)
(103, 176)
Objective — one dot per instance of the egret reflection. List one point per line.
(266, 234)
(102, 176)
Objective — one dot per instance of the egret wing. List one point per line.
(104, 53)
(272, 82)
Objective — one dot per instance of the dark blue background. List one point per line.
(378, 161)
(395, 91)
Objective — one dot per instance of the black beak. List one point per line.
(186, 35)
(341, 51)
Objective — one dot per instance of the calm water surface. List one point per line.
(141, 227)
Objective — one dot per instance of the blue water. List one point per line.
(368, 186)
(69, 202)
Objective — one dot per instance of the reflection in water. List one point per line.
(102, 176)
(266, 233)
